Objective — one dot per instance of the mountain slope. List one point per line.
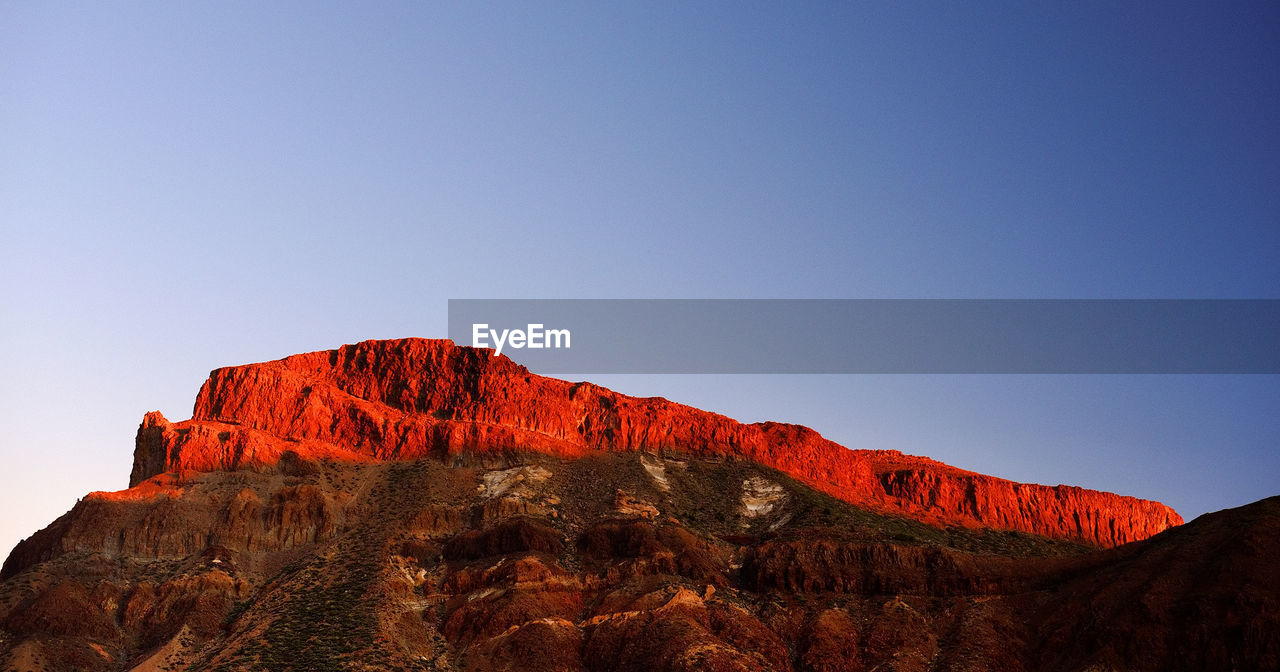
(610, 561)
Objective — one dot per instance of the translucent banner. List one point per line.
(599, 336)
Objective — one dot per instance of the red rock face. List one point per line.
(410, 398)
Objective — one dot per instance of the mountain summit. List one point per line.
(415, 505)
(414, 398)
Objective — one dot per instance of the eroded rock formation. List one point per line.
(413, 398)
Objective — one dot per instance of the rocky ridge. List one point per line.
(414, 398)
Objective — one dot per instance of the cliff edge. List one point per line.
(412, 398)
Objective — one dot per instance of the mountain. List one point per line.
(415, 398)
(416, 505)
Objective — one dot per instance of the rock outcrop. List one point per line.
(413, 398)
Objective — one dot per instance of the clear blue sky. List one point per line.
(190, 185)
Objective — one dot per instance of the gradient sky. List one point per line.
(190, 185)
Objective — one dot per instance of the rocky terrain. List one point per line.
(419, 506)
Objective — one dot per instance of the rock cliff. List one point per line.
(413, 398)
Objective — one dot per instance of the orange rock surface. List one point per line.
(412, 398)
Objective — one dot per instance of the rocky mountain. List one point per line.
(420, 506)
(415, 398)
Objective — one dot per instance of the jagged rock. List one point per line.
(630, 506)
(411, 398)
